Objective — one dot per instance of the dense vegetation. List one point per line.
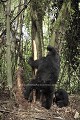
(27, 27)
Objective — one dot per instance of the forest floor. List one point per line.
(9, 110)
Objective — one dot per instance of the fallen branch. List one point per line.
(4, 111)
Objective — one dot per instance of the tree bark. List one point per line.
(59, 26)
(8, 51)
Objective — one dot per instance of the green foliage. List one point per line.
(67, 27)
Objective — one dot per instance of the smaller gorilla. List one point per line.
(61, 98)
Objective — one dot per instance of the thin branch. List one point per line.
(6, 111)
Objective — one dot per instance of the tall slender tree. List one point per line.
(8, 51)
(59, 27)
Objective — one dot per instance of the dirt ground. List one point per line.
(9, 110)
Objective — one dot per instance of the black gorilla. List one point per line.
(61, 98)
(47, 75)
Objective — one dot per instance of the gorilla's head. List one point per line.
(51, 50)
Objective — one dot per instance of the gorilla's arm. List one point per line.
(33, 63)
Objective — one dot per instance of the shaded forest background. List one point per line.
(27, 27)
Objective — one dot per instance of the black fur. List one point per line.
(61, 98)
(47, 74)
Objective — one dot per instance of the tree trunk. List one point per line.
(36, 36)
(8, 51)
(36, 18)
(36, 31)
(60, 25)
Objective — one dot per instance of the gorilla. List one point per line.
(46, 76)
(61, 98)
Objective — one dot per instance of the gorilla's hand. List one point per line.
(30, 60)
